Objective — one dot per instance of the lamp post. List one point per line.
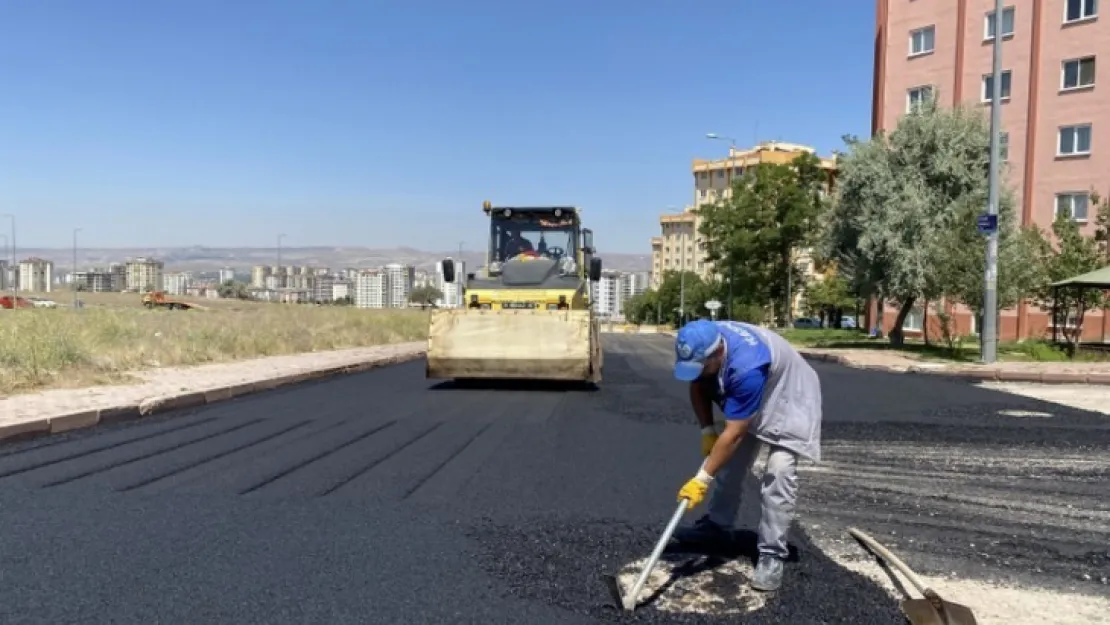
(281, 271)
(75, 231)
(15, 265)
(989, 335)
(732, 148)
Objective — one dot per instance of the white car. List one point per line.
(39, 302)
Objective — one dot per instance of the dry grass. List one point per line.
(113, 335)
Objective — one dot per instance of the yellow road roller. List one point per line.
(527, 314)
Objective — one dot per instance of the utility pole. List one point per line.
(281, 270)
(75, 231)
(989, 336)
(15, 265)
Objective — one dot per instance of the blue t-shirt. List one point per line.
(744, 375)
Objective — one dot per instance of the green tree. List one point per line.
(641, 308)
(232, 289)
(1069, 255)
(425, 296)
(829, 298)
(905, 209)
(751, 235)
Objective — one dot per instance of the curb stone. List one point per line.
(56, 424)
(969, 375)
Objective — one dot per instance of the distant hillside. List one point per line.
(242, 258)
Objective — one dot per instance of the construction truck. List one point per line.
(158, 299)
(527, 314)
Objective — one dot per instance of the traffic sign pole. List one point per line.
(989, 331)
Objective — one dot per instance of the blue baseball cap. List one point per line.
(693, 344)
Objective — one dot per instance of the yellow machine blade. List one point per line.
(514, 344)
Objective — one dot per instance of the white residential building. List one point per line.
(177, 283)
(144, 274)
(36, 275)
(606, 295)
(227, 274)
(399, 280)
(370, 289)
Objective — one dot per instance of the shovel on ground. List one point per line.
(932, 610)
(628, 602)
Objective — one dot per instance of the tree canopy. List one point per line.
(905, 213)
(752, 234)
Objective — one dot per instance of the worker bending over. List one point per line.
(769, 395)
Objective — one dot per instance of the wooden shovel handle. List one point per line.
(890, 558)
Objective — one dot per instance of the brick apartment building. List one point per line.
(1055, 123)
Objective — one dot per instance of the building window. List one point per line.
(1074, 141)
(1078, 73)
(739, 171)
(1007, 24)
(916, 96)
(988, 86)
(922, 40)
(1076, 10)
(1072, 204)
(1004, 146)
(915, 320)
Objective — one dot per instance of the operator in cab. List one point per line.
(516, 244)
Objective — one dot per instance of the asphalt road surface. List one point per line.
(386, 498)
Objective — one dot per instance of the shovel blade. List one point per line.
(922, 612)
(614, 588)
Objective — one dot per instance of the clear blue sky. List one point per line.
(366, 122)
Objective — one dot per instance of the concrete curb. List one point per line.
(57, 424)
(970, 375)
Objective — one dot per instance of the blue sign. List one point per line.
(988, 224)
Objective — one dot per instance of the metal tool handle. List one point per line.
(631, 598)
(890, 558)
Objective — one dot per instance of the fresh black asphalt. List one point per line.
(387, 498)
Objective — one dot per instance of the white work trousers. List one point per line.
(778, 492)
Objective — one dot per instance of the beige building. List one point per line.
(144, 274)
(36, 275)
(681, 247)
(1052, 113)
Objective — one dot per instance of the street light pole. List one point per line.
(732, 148)
(281, 270)
(989, 337)
(75, 231)
(15, 265)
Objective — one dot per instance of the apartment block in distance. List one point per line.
(680, 246)
(1055, 126)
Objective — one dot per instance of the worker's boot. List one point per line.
(768, 573)
(703, 532)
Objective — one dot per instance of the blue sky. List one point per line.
(360, 122)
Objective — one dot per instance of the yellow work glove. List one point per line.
(708, 440)
(695, 489)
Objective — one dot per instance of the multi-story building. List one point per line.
(681, 245)
(36, 275)
(1052, 114)
(259, 274)
(227, 274)
(94, 281)
(370, 289)
(177, 283)
(6, 277)
(399, 279)
(633, 284)
(605, 294)
(144, 274)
